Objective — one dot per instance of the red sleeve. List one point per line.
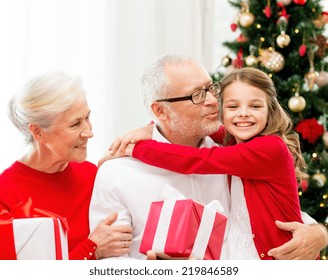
(261, 158)
(218, 137)
(84, 251)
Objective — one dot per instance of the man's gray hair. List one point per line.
(154, 83)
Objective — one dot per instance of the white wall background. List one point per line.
(108, 43)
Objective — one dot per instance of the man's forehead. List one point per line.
(191, 75)
(184, 67)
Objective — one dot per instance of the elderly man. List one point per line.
(188, 116)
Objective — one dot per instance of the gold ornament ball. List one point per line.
(322, 79)
(320, 178)
(325, 139)
(246, 19)
(283, 40)
(251, 60)
(272, 60)
(284, 2)
(310, 79)
(226, 61)
(296, 104)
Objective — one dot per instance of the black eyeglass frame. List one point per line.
(190, 97)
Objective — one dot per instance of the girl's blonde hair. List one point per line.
(278, 122)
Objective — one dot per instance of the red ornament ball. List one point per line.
(304, 185)
(310, 130)
(302, 50)
(300, 2)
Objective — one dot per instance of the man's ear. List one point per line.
(159, 111)
(36, 132)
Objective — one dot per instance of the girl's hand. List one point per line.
(109, 155)
(120, 143)
(123, 145)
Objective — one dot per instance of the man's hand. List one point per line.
(151, 256)
(306, 244)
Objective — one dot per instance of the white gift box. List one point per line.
(40, 239)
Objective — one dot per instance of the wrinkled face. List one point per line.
(186, 118)
(66, 140)
(245, 110)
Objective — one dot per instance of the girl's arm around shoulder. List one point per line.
(247, 160)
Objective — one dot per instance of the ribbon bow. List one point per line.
(23, 210)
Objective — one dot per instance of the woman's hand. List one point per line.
(112, 241)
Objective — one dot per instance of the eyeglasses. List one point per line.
(197, 96)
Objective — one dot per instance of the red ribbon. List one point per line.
(283, 11)
(25, 210)
(238, 62)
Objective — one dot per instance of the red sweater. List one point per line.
(266, 168)
(66, 193)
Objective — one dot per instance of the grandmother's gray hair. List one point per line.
(154, 83)
(42, 99)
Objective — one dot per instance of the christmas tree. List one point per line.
(285, 39)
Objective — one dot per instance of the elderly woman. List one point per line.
(53, 115)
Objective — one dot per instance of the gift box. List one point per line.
(181, 229)
(28, 233)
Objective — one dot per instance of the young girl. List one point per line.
(266, 156)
